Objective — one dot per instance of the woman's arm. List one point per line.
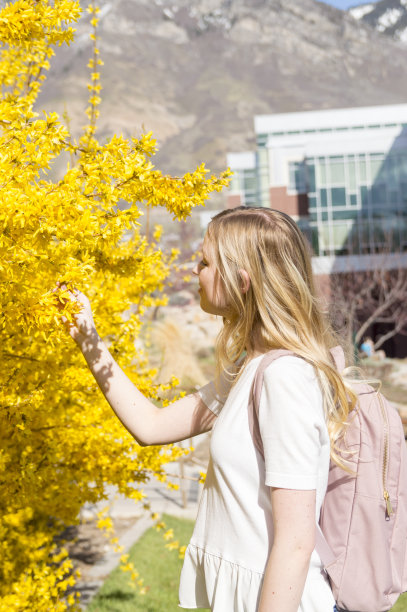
(148, 424)
(294, 540)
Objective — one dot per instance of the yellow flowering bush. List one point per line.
(60, 443)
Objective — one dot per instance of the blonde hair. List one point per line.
(280, 308)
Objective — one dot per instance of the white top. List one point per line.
(227, 555)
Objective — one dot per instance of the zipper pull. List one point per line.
(389, 509)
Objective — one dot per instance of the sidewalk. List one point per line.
(134, 521)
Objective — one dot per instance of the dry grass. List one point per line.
(176, 355)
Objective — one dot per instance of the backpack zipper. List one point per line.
(389, 509)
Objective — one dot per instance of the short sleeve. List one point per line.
(292, 424)
(214, 396)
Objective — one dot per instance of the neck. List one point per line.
(256, 345)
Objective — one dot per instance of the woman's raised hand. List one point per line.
(82, 328)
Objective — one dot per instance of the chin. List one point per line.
(211, 309)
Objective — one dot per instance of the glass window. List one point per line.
(262, 156)
(315, 240)
(340, 233)
(323, 197)
(379, 235)
(399, 163)
(311, 177)
(312, 202)
(403, 232)
(297, 177)
(340, 215)
(351, 175)
(250, 187)
(250, 181)
(321, 173)
(394, 164)
(364, 235)
(323, 236)
(337, 169)
(393, 196)
(362, 171)
(375, 169)
(338, 195)
(353, 240)
(235, 182)
(364, 197)
(391, 171)
(353, 199)
(379, 194)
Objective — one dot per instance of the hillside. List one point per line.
(197, 72)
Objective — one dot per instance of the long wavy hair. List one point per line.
(280, 308)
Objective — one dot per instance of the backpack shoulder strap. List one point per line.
(255, 393)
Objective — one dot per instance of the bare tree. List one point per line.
(377, 294)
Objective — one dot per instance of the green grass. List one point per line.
(160, 569)
(401, 605)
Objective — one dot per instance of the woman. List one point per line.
(252, 549)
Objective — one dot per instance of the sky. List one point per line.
(345, 4)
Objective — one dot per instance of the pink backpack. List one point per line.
(362, 533)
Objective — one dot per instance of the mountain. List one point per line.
(196, 72)
(386, 16)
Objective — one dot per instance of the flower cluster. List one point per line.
(59, 442)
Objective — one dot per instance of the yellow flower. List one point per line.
(60, 444)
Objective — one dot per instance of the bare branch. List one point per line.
(376, 295)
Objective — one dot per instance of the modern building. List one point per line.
(342, 174)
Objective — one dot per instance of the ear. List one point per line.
(245, 281)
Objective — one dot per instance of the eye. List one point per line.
(203, 262)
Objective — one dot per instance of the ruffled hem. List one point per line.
(209, 581)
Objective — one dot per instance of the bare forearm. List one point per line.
(148, 424)
(284, 579)
(135, 411)
(294, 540)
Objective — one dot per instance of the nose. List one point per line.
(195, 270)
